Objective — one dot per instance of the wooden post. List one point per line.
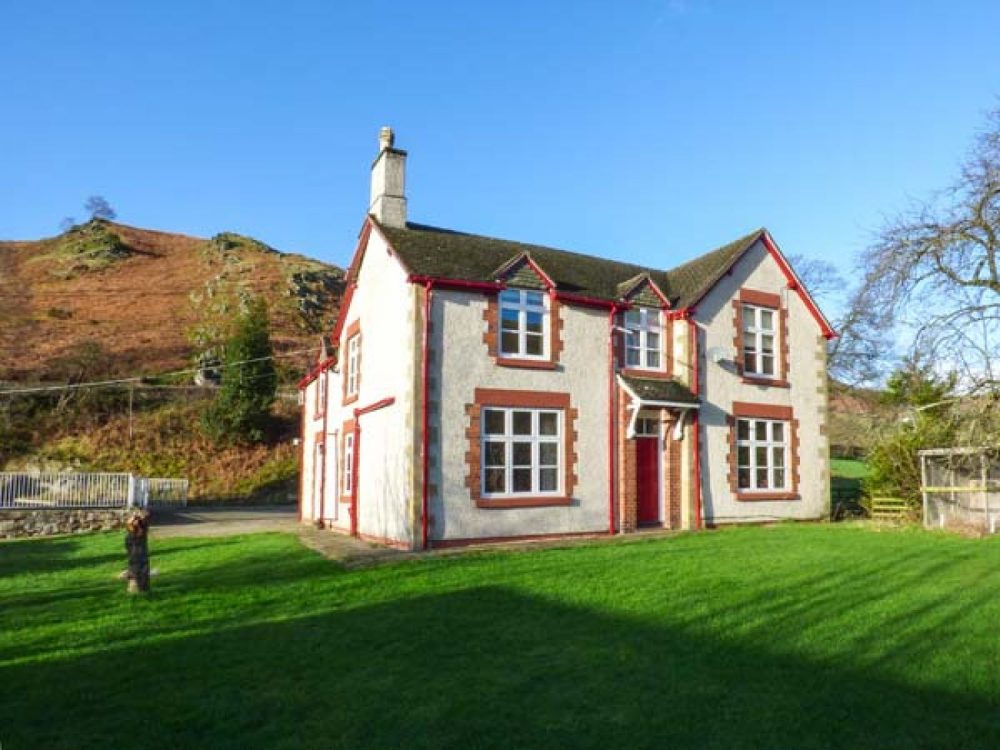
(137, 547)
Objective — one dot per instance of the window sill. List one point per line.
(772, 382)
(350, 399)
(753, 496)
(527, 364)
(523, 502)
(638, 372)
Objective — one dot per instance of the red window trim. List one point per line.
(769, 300)
(491, 336)
(347, 428)
(486, 397)
(318, 403)
(748, 410)
(354, 329)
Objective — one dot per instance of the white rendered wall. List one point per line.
(383, 302)
(461, 364)
(721, 386)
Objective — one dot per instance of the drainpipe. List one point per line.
(425, 426)
(695, 421)
(324, 382)
(612, 495)
(356, 459)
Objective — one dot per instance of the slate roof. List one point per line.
(658, 389)
(445, 253)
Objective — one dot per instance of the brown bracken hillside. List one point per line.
(135, 299)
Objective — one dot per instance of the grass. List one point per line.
(787, 636)
(849, 468)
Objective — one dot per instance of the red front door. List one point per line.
(648, 479)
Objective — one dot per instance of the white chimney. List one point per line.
(388, 194)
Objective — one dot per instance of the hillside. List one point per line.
(138, 297)
(105, 300)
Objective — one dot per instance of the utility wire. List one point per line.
(140, 378)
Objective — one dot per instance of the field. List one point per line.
(849, 468)
(778, 637)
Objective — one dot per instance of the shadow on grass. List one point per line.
(486, 667)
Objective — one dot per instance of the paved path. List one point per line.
(224, 521)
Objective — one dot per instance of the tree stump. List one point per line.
(137, 547)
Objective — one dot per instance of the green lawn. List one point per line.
(781, 637)
(849, 468)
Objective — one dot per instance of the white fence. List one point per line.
(64, 490)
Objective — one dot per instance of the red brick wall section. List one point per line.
(527, 399)
(354, 329)
(763, 411)
(628, 489)
(491, 336)
(671, 474)
(761, 299)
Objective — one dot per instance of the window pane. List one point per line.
(522, 422)
(548, 423)
(743, 455)
(750, 362)
(508, 343)
(760, 430)
(495, 454)
(767, 344)
(508, 321)
(535, 344)
(761, 456)
(521, 454)
(767, 364)
(778, 457)
(750, 341)
(548, 454)
(495, 480)
(534, 298)
(511, 296)
(549, 480)
(778, 432)
(632, 357)
(749, 318)
(534, 322)
(652, 359)
(761, 478)
(767, 319)
(653, 340)
(494, 422)
(632, 319)
(522, 480)
(779, 479)
(743, 476)
(742, 429)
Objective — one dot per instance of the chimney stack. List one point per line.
(388, 194)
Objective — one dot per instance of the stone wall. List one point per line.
(48, 521)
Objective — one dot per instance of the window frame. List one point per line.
(753, 444)
(639, 333)
(750, 327)
(523, 308)
(352, 366)
(535, 439)
(347, 470)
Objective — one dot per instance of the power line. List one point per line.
(140, 378)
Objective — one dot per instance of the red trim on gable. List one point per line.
(546, 279)
(460, 284)
(646, 281)
(795, 284)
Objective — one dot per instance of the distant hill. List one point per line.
(131, 300)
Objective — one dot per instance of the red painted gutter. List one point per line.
(358, 413)
(425, 420)
(580, 299)
(323, 383)
(695, 422)
(475, 286)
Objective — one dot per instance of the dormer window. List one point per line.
(524, 324)
(643, 338)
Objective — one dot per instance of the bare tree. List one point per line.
(934, 273)
(99, 208)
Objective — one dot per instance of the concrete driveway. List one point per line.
(224, 521)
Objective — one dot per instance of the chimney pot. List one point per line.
(387, 198)
(386, 138)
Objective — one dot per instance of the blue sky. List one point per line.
(650, 131)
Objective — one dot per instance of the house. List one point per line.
(484, 389)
